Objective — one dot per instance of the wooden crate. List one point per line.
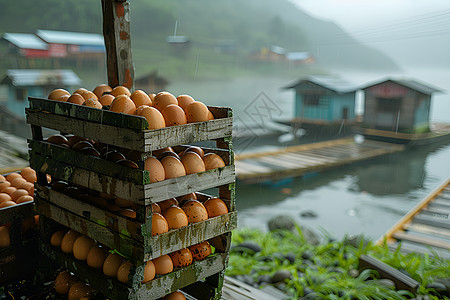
(131, 237)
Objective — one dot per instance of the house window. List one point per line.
(388, 104)
(311, 100)
(21, 94)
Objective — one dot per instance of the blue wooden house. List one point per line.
(324, 100)
(24, 83)
(397, 108)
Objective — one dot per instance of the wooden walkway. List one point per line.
(426, 226)
(303, 159)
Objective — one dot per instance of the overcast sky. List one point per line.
(353, 15)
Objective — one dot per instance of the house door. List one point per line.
(345, 113)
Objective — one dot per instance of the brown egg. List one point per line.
(174, 115)
(9, 190)
(57, 238)
(155, 207)
(112, 264)
(68, 240)
(58, 139)
(184, 198)
(76, 98)
(114, 155)
(184, 101)
(149, 271)
(124, 271)
(57, 93)
(159, 224)
(139, 98)
(195, 149)
(215, 207)
(4, 197)
(163, 265)
(213, 161)
(106, 99)
(196, 112)
(120, 90)
(192, 163)
(152, 96)
(200, 251)
(99, 90)
(12, 176)
(128, 163)
(127, 212)
(167, 203)
(93, 103)
(195, 211)
(64, 281)
(173, 167)
(175, 296)
(181, 258)
(89, 95)
(17, 182)
(4, 185)
(25, 198)
(96, 256)
(154, 118)
(155, 169)
(7, 204)
(28, 186)
(5, 239)
(158, 152)
(123, 104)
(81, 247)
(176, 217)
(82, 144)
(80, 290)
(140, 108)
(29, 174)
(80, 91)
(163, 99)
(71, 141)
(210, 115)
(19, 193)
(168, 153)
(63, 98)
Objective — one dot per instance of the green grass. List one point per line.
(331, 275)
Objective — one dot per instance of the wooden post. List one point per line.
(116, 32)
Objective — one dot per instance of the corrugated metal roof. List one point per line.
(333, 83)
(25, 41)
(27, 77)
(177, 39)
(71, 38)
(409, 83)
(298, 55)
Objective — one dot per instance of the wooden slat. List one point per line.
(440, 204)
(143, 194)
(144, 141)
(428, 220)
(16, 212)
(426, 229)
(433, 242)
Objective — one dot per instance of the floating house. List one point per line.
(397, 110)
(323, 102)
(26, 45)
(24, 83)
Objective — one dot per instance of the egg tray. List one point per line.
(124, 182)
(211, 269)
(124, 130)
(129, 236)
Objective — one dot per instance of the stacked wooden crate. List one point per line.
(131, 237)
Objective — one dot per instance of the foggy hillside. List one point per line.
(250, 24)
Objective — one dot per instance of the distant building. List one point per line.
(324, 100)
(178, 41)
(272, 54)
(150, 83)
(25, 83)
(398, 105)
(299, 58)
(26, 44)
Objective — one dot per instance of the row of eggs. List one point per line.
(160, 110)
(164, 164)
(114, 265)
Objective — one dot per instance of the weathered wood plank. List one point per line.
(442, 223)
(16, 212)
(430, 241)
(426, 229)
(124, 244)
(112, 221)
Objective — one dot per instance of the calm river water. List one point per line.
(365, 198)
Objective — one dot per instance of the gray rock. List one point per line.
(281, 222)
(387, 283)
(245, 279)
(281, 275)
(438, 287)
(264, 279)
(309, 214)
(290, 257)
(248, 247)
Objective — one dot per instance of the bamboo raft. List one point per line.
(426, 226)
(309, 158)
